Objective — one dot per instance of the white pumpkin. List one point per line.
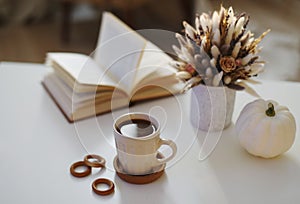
(265, 128)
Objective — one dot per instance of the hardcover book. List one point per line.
(124, 68)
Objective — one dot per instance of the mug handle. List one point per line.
(172, 145)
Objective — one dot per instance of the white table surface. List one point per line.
(38, 145)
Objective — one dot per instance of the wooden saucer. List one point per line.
(139, 179)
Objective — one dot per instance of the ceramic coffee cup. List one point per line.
(137, 137)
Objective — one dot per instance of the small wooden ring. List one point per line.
(97, 164)
(80, 174)
(109, 183)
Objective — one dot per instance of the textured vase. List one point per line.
(212, 107)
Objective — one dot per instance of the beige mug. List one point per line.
(137, 138)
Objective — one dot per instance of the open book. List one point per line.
(124, 68)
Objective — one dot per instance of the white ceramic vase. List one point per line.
(212, 107)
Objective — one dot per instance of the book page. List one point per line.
(171, 87)
(75, 110)
(80, 67)
(154, 60)
(119, 50)
(78, 98)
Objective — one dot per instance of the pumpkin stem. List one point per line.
(270, 111)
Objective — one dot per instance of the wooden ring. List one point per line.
(80, 174)
(100, 161)
(109, 183)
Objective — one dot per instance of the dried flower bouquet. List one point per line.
(218, 51)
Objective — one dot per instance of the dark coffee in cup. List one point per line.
(136, 128)
(137, 138)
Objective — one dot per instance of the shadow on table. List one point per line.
(154, 192)
(248, 179)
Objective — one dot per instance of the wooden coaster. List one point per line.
(139, 179)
